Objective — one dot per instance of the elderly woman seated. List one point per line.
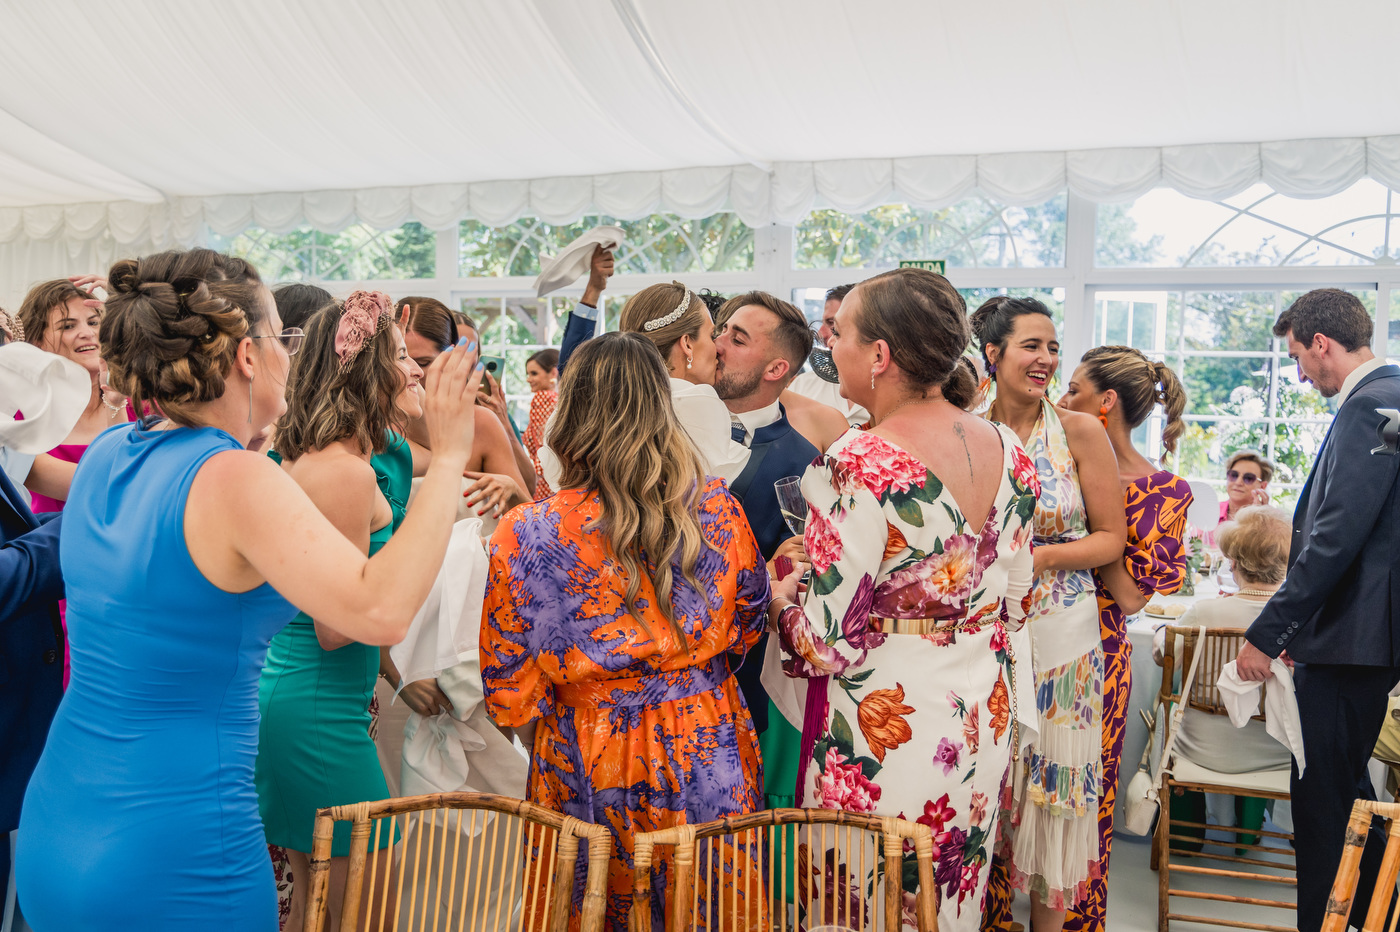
(1256, 544)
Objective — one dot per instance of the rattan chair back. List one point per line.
(470, 862)
(788, 869)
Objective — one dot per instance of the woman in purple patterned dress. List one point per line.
(1123, 387)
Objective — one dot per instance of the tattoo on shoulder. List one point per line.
(962, 435)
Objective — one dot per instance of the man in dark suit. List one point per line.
(761, 342)
(31, 648)
(1337, 614)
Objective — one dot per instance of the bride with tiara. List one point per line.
(679, 325)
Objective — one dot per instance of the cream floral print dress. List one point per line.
(1050, 837)
(907, 614)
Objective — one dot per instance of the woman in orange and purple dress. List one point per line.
(612, 609)
(1122, 387)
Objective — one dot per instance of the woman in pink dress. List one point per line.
(60, 317)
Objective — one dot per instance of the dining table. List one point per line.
(1147, 681)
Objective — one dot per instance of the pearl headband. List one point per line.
(670, 318)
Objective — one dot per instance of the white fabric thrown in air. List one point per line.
(574, 259)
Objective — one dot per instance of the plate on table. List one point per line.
(1164, 612)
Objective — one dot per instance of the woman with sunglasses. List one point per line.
(1247, 476)
(183, 554)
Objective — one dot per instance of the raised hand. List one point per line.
(600, 269)
(449, 399)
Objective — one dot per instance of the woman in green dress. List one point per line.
(354, 385)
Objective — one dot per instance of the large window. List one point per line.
(1242, 389)
(973, 233)
(1258, 227)
(1195, 283)
(659, 243)
(357, 253)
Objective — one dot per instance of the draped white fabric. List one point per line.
(159, 122)
(1303, 168)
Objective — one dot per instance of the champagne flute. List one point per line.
(791, 503)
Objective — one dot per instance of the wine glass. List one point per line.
(791, 503)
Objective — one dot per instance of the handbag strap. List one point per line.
(1175, 721)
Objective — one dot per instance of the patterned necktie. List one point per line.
(737, 432)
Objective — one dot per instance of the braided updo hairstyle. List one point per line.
(172, 326)
(1141, 385)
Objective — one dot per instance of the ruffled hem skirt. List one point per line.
(1050, 837)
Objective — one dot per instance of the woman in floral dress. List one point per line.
(1124, 387)
(1050, 840)
(611, 611)
(920, 554)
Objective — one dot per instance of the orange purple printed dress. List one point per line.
(1156, 558)
(908, 613)
(636, 731)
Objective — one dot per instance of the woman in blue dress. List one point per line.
(183, 554)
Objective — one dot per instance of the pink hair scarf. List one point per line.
(365, 313)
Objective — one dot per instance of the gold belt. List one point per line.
(925, 625)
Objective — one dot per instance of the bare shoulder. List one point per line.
(332, 469)
(1078, 422)
(1083, 431)
(487, 421)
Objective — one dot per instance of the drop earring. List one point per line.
(872, 379)
(250, 399)
(689, 362)
(1103, 415)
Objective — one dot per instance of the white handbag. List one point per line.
(1141, 803)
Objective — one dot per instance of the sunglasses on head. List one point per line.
(1247, 478)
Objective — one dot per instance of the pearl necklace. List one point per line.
(1266, 593)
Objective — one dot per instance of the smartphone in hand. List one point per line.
(495, 367)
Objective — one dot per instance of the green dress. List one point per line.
(314, 748)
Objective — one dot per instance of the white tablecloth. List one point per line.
(1147, 680)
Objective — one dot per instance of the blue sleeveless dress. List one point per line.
(142, 813)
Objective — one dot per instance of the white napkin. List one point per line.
(1241, 698)
(50, 390)
(447, 629)
(573, 260)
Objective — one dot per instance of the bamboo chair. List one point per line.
(787, 869)
(473, 862)
(1221, 646)
(1348, 872)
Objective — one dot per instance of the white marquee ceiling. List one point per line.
(176, 102)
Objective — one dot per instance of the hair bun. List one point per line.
(122, 278)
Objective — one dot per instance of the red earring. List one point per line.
(1103, 415)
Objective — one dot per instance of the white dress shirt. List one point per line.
(1357, 374)
(756, 420)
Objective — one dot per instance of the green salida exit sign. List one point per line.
(929, 265)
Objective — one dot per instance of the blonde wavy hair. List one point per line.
(616, 435)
